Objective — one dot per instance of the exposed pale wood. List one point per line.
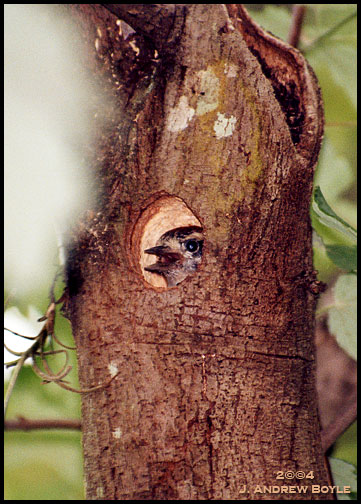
(164, 214)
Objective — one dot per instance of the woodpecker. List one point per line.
(179, 252)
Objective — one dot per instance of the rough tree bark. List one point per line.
(216, 386)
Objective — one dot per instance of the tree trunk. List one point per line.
(211, 121)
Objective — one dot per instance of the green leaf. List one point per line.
(342, 320)
(345, 447)
(344, 474)
(343, 256)
(326, 216)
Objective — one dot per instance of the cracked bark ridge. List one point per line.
(217, 376)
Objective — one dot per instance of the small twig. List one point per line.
(22, 423)
(298, 12)
(19, 364)
(17, 334)
(13, 379)
(341, 423)
(62, 344)
(49, 376)
(36, 350)
(63, 385)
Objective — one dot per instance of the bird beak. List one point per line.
(158, 251)
(166, 257)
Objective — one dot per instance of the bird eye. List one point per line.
(192, 245)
